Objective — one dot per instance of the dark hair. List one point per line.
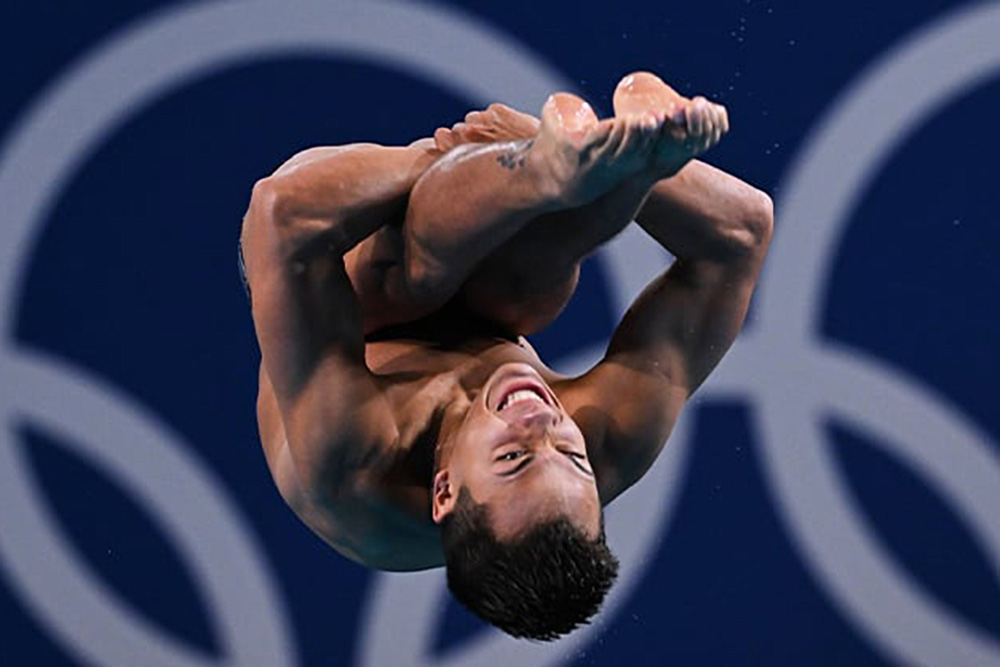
(540, 585)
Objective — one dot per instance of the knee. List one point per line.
(423, 287)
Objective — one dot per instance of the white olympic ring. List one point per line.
(46, 148)
(808, 379)
(403, 610)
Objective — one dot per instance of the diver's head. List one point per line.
(521, 522)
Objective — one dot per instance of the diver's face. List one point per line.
(519, 452)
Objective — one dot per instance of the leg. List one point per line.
(478, 198)
(701, 211)
(527, 281)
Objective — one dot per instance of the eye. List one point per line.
(579, 460)
(512, 455)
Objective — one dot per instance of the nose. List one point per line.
(539, 419)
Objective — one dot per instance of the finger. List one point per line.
(710, 128)
(675, 127)
(713, 133)
(700, 116)
(689, 119)
(716, 125)
(720, 117)
(499, 110)
(678, 115)
(715, 137)
(443, 139)
(503, 111)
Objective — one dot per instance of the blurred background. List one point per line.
(832, 496)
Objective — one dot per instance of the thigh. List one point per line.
(519, 303)
(528, 281)
(375, 268)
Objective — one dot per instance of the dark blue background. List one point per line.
(134, 279)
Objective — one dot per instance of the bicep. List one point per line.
(626, 415)
(675, 333)
(303, 303)
(686, 320)
(328, 405)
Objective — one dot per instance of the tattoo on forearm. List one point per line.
(516, 155)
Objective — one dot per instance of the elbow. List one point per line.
(424, 285)
(762, 218)
(269, 202)
(753, 235)
(275, 207)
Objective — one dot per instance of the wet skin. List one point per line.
(351, 427)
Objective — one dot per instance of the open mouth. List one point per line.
(521, 394)
(518, 385)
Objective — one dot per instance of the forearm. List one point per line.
(340, 195)
(467, 205)
(704, 213)
(300, 223)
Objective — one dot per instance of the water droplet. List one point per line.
(956, 222)
(791, 42)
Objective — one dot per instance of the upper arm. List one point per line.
(308, 325)
(672, 337)
(303, 305)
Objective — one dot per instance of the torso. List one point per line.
(425, 367)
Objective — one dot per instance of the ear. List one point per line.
(443, 496)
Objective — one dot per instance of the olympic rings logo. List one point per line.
(809, 379)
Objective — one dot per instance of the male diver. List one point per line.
(404, 418)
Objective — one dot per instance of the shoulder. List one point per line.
(626, 416)
(365, 526)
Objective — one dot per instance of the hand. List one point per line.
(498, 122)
